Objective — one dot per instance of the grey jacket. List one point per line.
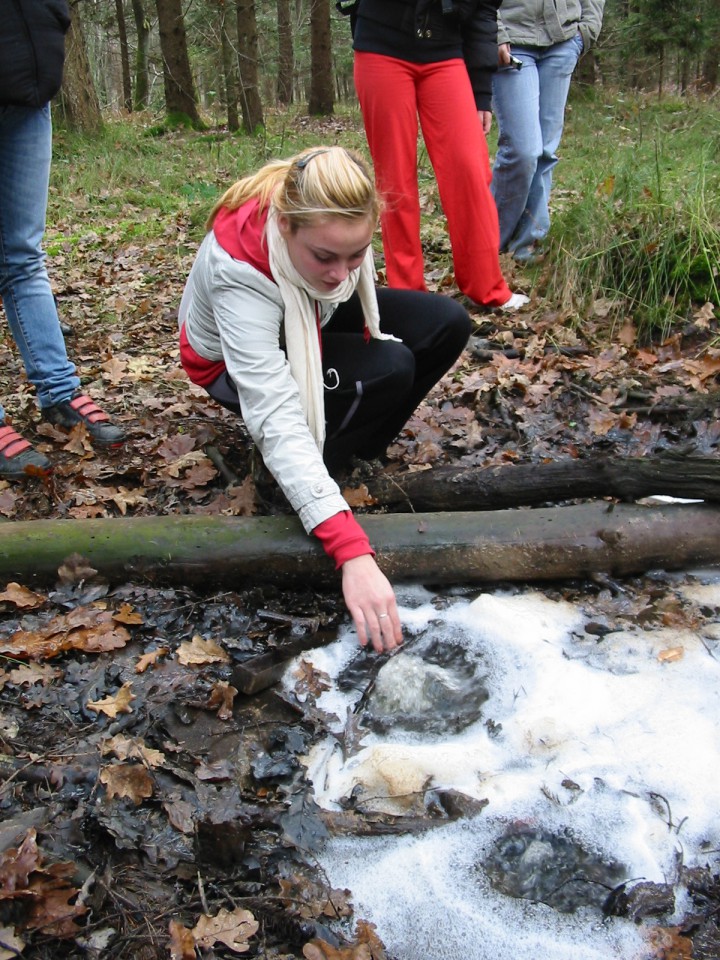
(232, 312)
(541, 23)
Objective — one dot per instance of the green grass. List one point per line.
(636, 210)
(634, 205)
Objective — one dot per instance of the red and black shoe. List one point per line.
(18, 458)
(81, 409)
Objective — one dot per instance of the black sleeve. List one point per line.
(32, 51)
(479, 36)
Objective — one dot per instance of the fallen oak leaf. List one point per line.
(358, 496)
(671, 654)
(126, 614)
(149, 659)
(22, 597)
(85, 628)
(112, 706)
(46, 889)
(130, 780)
(222, 696)
(232, 928)
(76, 569)
(131, 748)
(26, 675)
(366, 933)
(200, 651)
(320, 950)
(182, 942)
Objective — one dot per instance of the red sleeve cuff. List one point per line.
(343, 538)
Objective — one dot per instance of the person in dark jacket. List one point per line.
(32, 49)
(432, 61)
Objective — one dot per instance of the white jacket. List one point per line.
(232, 312)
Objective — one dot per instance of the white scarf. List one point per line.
(302, 339)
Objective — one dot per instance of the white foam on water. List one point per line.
(614, 741)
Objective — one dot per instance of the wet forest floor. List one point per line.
(149, 808)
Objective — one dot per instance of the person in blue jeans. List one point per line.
(539, 45)
(32, 36)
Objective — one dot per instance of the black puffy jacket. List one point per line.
(429, 31)
(32, 50)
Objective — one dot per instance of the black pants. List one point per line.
(372, 388)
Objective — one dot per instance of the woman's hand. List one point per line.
(485, 117)
(503, 54)
(371, 601)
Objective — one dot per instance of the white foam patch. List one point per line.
(615, 740)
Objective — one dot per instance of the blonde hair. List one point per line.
(318, 182)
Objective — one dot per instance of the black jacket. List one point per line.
(32, 50)
(429, 31)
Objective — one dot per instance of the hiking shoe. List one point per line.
(516, 301)
(81, 409)
(18, 458)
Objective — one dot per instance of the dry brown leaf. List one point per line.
(175, 447)
(149, 659)
(26, 675)
(319, 950)
(222, 696)
(8, 501)
(129, 780)
(125, 498)
(231, 927)
(671, 654)
(114, 370)
(667, 943)
(366, 934)
(130, 748)
(310, 680)
(601, 420)
(112, 706)
(180, 815)
(21, 597)
(76, 569)
(84, 628)
(704, 315)
(200, 651)
(126, 614)
(47, 889)
(242, 499)
(312, 900)
(358, 496)
(182, 942)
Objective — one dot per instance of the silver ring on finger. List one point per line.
(381, 616)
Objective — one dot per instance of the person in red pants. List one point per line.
(431, 62)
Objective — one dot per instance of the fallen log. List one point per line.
(434, 548)
(513, 485)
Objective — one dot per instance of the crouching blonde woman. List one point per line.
(281, 323)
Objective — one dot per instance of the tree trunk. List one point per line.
(230, 68)
(431, 548)
(248, 56)
(473, 488)
(78, 99)
(710, 65)
(286, 54)
(322, 93)
(180, 101)
(124, 56)
(142, 56)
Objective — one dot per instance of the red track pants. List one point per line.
(393, 93)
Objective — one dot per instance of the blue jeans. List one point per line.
(529, 105)
(25, 150)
